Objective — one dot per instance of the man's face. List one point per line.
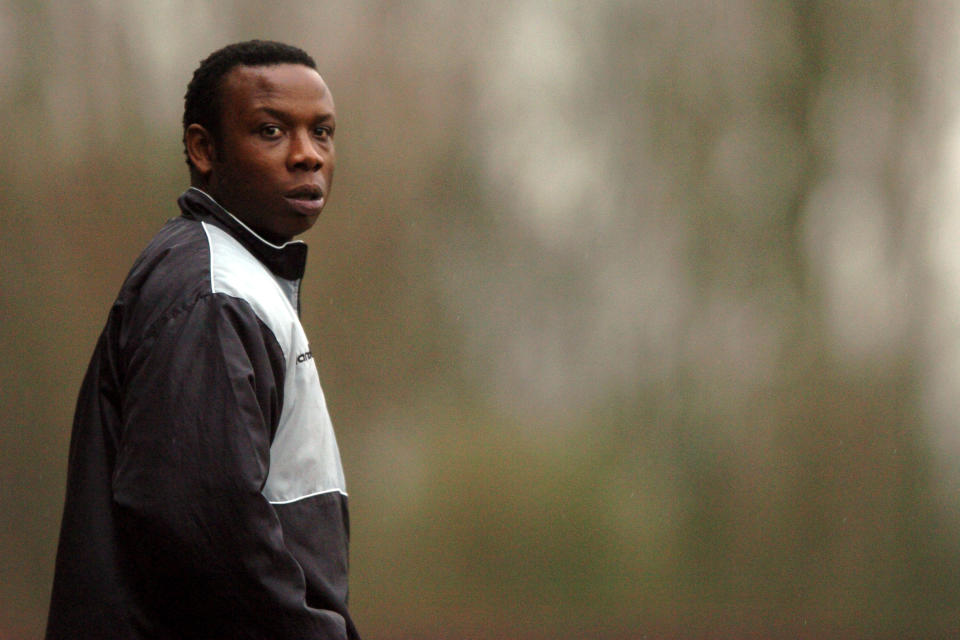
(273, 162)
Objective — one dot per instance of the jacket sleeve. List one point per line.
(203, 396)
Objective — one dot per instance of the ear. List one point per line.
(200, 149)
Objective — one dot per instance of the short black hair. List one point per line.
(202, 100)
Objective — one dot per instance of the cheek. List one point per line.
(254, 155)
(255, 174)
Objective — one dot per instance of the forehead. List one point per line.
(291, 86)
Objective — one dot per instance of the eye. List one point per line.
(270, 131)
(322, 133)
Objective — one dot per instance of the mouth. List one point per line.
(307, 199)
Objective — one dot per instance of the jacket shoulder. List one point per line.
(235, 272)
(171, 272)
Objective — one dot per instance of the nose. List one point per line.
(304, 153)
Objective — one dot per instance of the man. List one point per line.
(205, 496)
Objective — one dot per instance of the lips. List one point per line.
(307, 199)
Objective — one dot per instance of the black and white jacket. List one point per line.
(205, 495)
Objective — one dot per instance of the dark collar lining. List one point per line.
(287, 260)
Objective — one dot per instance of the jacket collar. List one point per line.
(287, 260)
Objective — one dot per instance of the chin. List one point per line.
(294, 231)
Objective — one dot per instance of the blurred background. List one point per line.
(636, 319)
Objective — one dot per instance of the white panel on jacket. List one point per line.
(304, 458)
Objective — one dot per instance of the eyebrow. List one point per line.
(283, 115)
